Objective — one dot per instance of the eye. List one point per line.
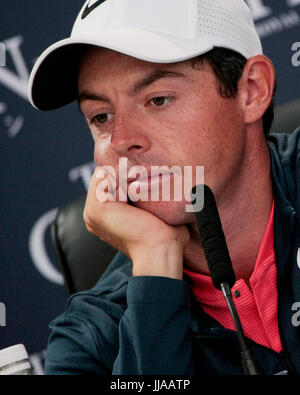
(101, 118)
(160, 101)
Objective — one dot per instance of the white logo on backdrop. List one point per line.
(16, 81)
(267, 23)
(260, 9)
(37, 237)
(298, 258)
(37, 248)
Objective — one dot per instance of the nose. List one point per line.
(129, 136)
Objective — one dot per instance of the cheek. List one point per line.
(210, 134)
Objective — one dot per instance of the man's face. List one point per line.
(161, 115)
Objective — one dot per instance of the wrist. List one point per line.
(164, 260)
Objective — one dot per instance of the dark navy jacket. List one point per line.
(153, 325)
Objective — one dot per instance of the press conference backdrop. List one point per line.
(46, 158)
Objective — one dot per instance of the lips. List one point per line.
(151, 181)
(147, 174)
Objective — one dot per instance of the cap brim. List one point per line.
(53, 80)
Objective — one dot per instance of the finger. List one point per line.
(104, 215)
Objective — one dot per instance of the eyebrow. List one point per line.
(139, 85)
(153, 77)
(86, 95)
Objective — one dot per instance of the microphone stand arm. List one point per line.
(249, 365)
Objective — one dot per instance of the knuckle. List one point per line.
(88, 220)
(89, 228)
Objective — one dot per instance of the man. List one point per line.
(177, 83)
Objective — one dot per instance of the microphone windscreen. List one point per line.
(213, 239)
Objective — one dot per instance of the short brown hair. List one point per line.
(228, 67)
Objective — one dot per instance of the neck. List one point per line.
(244, 209)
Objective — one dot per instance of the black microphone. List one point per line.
(213, 239)
(219, 264)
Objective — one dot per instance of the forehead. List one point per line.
(102, 63)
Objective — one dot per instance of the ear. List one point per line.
(256, 87)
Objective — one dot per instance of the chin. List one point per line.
(172, 213)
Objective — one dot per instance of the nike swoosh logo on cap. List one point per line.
(92, 4)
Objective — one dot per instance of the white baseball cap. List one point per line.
(159, 31)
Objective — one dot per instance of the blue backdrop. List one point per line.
(46, 158)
